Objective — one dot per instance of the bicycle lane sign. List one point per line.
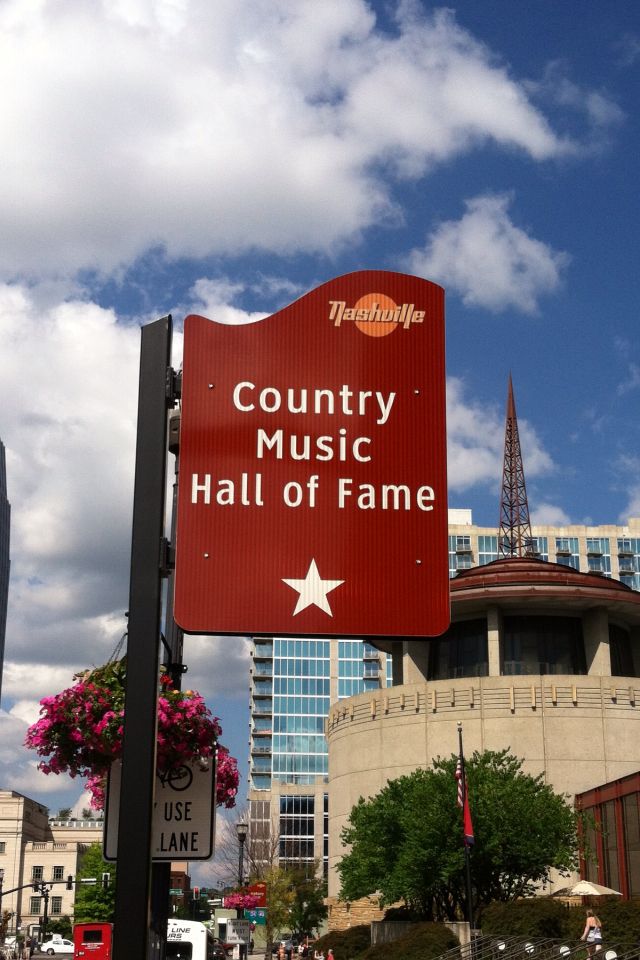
(183, 813)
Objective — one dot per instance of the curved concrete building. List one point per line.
(539, 658)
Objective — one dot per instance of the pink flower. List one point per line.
(80, 732)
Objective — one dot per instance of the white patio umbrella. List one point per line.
(585, 888)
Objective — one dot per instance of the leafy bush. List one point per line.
(545, 917)
(346, 944)
(620, 921)
(425, 941)
(534, 917)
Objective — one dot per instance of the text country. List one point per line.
(316, 401)
(403, 315)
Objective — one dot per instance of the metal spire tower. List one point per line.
(514, 538)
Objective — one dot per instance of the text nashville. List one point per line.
(403, 315)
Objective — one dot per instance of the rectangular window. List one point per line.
(37, 873)
(487, 549)
(34, 904)
(540, 547)
(58, 873)
(3, 846)
(56, 905)
(567, 552)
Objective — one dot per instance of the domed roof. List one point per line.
(519, 581)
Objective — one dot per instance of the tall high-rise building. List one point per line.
(5, 521)
(295, 681)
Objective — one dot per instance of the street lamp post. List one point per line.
(241, 830)
(1, 882)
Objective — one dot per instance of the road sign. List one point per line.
(183, 814)
(257, 915)
(238, 931)
(313, 494)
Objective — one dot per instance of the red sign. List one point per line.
(313, 493)
(259, 890)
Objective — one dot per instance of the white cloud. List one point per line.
(475, 437)
(549, 514)
(71, 371)
(627, 468)
(488, 260)
(218, 666)
(217, 128)
(213, 299)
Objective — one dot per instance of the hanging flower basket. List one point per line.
(242, 901)
(80, 731)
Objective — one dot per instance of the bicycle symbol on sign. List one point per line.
(179, 779)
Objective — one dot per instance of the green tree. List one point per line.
(308, 908)
(61, 925)
(95, 901)
(280, 898)
(64, 813)
(406, 842)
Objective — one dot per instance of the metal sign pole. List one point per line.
(132, 920)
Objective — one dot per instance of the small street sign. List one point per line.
(183, 814)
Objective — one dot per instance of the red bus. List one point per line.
(92, 941)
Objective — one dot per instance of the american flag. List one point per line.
(463, 803)
(459, 779)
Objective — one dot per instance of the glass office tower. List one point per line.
(293, 683)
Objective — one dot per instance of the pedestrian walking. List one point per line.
(592, 933)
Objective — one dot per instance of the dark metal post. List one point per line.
(44, 889)
(467, 849)
(132, 914)
(172, 660)
(241, 830)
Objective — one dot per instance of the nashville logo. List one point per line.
(375, 314)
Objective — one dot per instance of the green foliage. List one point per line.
(546, 917)
(61, 925)
(424, 941)
(308, 908)
(64, 813)
(620, 921)
(346, 944)
(93, 902)
(406, 843)
(280, 898)
(533, 917)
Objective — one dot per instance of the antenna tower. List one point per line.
(514, 538)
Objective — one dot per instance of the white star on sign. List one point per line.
(313, 590)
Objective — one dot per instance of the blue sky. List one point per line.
(181, 156)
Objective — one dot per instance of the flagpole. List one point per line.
(467, 845)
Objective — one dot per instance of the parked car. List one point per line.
(56, 945)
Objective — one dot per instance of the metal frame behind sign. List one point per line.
(132, 906)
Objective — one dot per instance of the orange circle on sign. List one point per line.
(380, 327)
